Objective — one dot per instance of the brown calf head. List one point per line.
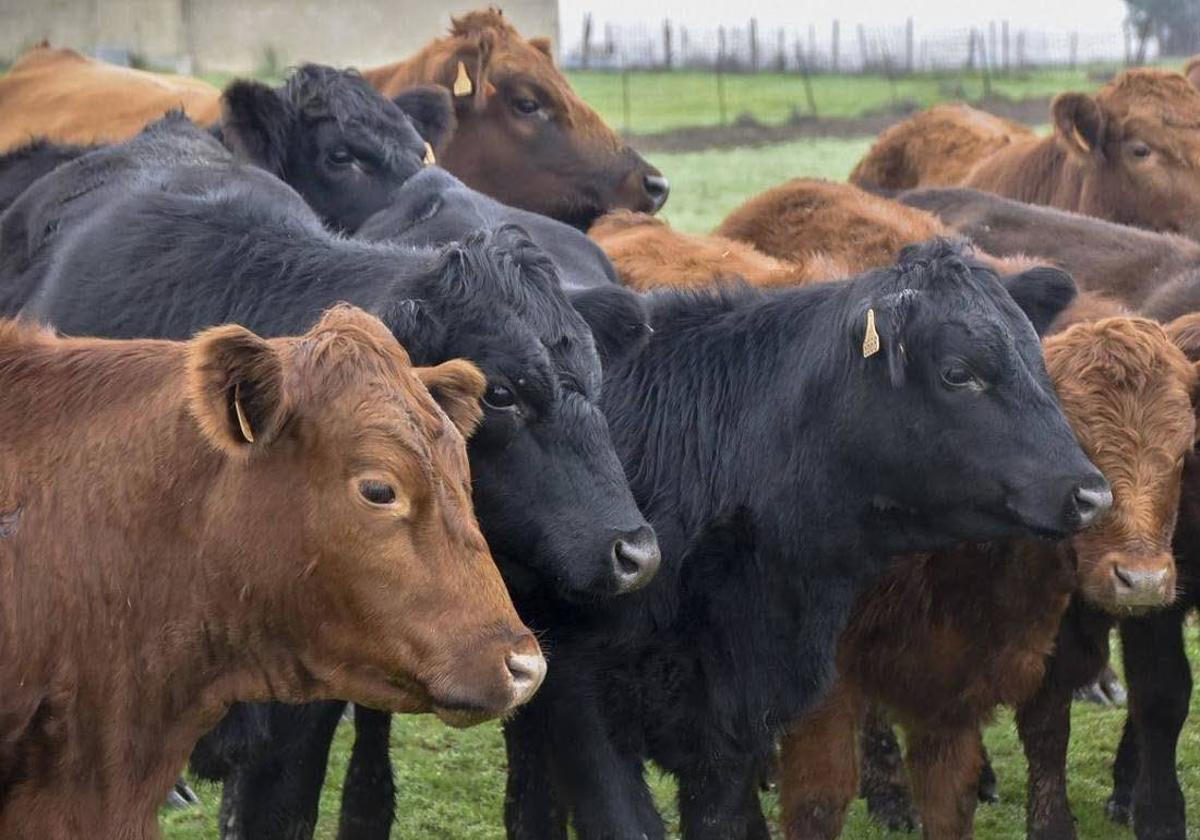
(1138, 143)
(1129, 392)
(524, 136)
(339, 455)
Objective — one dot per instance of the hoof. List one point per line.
(1117, 811)
(893, 813)
(182, 796)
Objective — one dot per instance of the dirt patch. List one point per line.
(746, 131)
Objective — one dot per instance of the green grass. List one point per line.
(659, 101)
(451, 783)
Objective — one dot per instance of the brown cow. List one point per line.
(69, 98)
(942, 645)
(313, 499)
(523, 135)
(1129, 154)
(1126, 263)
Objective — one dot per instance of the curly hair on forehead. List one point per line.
(1123, 352)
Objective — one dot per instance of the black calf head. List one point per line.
(951, 414)
(339, 142)
(551, 495)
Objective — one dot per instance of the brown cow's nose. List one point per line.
(658, 188)
(1153, 587)
(526, 669)
(635, 559)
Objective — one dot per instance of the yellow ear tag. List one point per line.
(462, 82)
(870, 338)
(243, 423)
(429, 159)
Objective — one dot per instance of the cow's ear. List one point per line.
(456, 386)
(880, 328)
(617, 319)
(543, 46)
(1192, 71)
(1042, 293)
(431, 111)
(255, 123)
(465, 73)
(420, 331)
(1185, 332)
(1079, 122)
(235, 388)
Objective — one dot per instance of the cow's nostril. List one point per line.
(527, 671)
(1091, 503)
(657, 188)
(1123, 578)
(635, 559)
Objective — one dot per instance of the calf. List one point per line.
(1129, 154)
(344, 147)
(942, 644)
(318, 499)
(785, 445)
(550, 493)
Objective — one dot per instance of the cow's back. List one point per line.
(65, 97)
(937, 147)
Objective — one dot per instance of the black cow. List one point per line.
(206, 240)
(435, 208)
(784, 444)
(340, 143)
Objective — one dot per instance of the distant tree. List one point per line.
(1175, 24)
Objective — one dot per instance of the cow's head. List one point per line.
(551, 495)
(340, 143)
(435, 208)
(1137, 142)
(950, 413)
(1129, 393)
(524, 136)
(356, 478)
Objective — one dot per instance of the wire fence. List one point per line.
(838, 48)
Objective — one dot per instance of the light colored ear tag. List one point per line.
(462, 82)
(430, 159)
(243, 423)
(870, 338)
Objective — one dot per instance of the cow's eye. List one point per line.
(526, 106)
(377, 492)
(341, 156)
(1140, 150)
(956, 375)
(499, 397)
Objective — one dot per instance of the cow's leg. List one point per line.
(369, 794)
(988, 790)
(720, 802)
(277, 796)
(884, 782)
(1160, 688)
(533, 806)
(944, 766)
(1044, 724)
(818, 768)
(1119, 807)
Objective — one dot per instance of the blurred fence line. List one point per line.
(836, 48)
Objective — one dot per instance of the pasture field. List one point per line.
(451, 783)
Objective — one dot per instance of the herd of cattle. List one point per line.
(897, 451)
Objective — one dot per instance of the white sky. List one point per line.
(1083, 16)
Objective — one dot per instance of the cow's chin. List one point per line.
(910, 529)
(461, 718)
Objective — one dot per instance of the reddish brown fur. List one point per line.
(155, 566)
(1091, 163)
(942, 645)
(65, 97)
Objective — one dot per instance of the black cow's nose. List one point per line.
(658, 188)
(635, 559)
(1090, 503)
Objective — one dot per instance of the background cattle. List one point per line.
(730, 641)
(522, 135)
(302, 483)
(1129, 154)
(944, 638)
